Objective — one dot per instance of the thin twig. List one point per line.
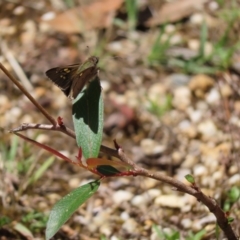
(53, 151)
(29, 96)
(26, 126)
(63, 129)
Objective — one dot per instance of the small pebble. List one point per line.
(114, 238)
(53, 197)
(189, 161)
(196, 226)
(157, 93)
(106, 229)
(177, 157)
(124, 216)
(181, 173)
(176, 39)
(149, 183)
(234, 179)
(233, 169)
(217, 175)
(194, 44)
(200, 84)
(197, 18)
(140, 200)
(130, 225)
(188, 129)
(122, 195)
(151, 147)
(181, 98)
(48, 16)
(19, 10)
(195, 115)
(186, 223)
(171, 201)
(207, 129)
(226, 91)
(74, 183)
(199, 170)
(177, 80)
(43, 138)
(153, 193)
(213, 97)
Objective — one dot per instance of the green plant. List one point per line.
(219, 59)
(35, 220)
(103, 238)
(197, 236)
(9, 154)
(27, 168)
(69, 3)
(233, 196)
(132, 11)
(4, 220)
(201, 63)
(173, 235)
(159, 49)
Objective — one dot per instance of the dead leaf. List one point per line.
(99, 14)
(174, 11)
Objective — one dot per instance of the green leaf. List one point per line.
(131, 7)
(190, 178)
(13, 149)
(197, 236)
(64, 208)
(88, 119)
(204, 35)
(175, 236)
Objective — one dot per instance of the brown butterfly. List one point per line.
(72, 79)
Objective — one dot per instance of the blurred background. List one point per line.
(169, 72)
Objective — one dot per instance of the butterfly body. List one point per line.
(72, 79)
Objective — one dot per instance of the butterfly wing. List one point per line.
(63, 77)
(81, 79)
(71, 79)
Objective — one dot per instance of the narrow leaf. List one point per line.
(64, 208)
(88, 119)
(41, 170)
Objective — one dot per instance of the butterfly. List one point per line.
(71, 79)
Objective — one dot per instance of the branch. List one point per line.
(193, 190)
(63, 129)
(28, 95)
(138, 171)
(59, 128)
